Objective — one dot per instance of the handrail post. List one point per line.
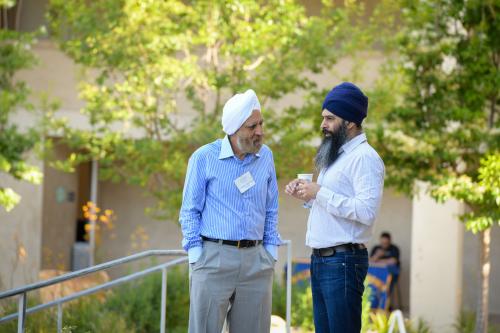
(21, 319)
(163, 319)
(289, 287)
(59, 318)
(397, 317)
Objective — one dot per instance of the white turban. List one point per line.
(238, 109)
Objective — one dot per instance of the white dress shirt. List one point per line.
(349, 199)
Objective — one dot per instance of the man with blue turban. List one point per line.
(229, 218)
(344, 203)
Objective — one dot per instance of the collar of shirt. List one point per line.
(353, 143)
(226, 150)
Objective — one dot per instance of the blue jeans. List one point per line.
(337, 290)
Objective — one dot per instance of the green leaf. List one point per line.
(8, 198)
(144, 55)
(440, 120)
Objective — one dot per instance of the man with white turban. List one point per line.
(229, 218)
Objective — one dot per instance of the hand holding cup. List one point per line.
(302, 188)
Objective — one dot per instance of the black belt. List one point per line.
(330, 251)
(240, 244)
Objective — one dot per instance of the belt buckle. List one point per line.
(239, 244)
(328, 252)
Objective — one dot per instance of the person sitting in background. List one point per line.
(386, 253)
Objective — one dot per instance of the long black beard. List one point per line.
(329, 148)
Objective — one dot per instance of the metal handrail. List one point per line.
(95, 289)
(397, 317)
(22, 291)
(90, 270)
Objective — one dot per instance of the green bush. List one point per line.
(466, 321)
(421, 327)
(302, 315)
(366, 308)
(130, 308)
(91, 314)
(140, 303)
(279, 299)
(39, 322)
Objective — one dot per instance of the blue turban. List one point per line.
(347, 102)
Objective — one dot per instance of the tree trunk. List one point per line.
(484, 277)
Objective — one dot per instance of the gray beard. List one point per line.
(246, 148)
(329, 148)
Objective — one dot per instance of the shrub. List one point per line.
(466, 321)
(133, 307)
(302, 315)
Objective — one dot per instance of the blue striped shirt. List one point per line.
(213, 206)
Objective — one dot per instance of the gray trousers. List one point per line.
(228, 276)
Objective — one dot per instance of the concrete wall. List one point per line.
(20, 234)
(395, 217)
(55, 75)
(128, 202)
(60, 211)
(471, 272)
(436, 262)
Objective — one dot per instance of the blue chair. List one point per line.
(379, 281)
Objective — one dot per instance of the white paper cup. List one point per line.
(308, 177)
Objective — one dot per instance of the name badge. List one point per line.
(245, 182)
